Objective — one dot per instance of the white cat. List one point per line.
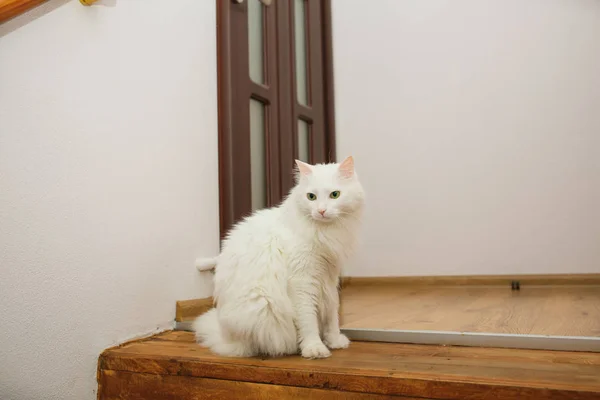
(277, 275)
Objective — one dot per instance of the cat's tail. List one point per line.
(210, 334)
(206, 264)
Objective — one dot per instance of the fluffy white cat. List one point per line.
(277, 275)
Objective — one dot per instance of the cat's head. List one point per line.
(328, 192)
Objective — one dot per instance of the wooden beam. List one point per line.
(11, 8)
(384, 369)
(121, 385)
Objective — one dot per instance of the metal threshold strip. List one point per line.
(472, 339)
(477, 339)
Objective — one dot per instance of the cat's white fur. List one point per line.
(277, 276)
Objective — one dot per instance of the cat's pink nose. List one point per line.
(322, 212)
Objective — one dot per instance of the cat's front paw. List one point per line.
(337, 341)
(315, 350)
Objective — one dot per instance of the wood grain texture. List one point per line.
(119, 385)
(539, 310)
(562, 310)
(473, 280)
(186, 310)
(389, 369)
(11, 8)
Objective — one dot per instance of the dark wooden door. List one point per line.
(275, 98)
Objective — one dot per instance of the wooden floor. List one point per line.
(172, 366)
(542, 310)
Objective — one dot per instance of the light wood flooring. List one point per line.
(542, 310)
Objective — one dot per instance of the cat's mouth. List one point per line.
(323, 218)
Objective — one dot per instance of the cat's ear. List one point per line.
(346, 168)
(304, 168)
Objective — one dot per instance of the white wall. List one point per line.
(476, 130)
(108, 182)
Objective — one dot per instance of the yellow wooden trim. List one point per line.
(475, 280)
(11, 8)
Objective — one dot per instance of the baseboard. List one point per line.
(474, 280)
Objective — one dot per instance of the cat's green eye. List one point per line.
(335, 194)
(311, 196)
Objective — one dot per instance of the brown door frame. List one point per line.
(232, 63)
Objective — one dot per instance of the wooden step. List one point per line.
(172, 366)
(546, 316)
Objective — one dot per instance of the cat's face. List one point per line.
(327, 192)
